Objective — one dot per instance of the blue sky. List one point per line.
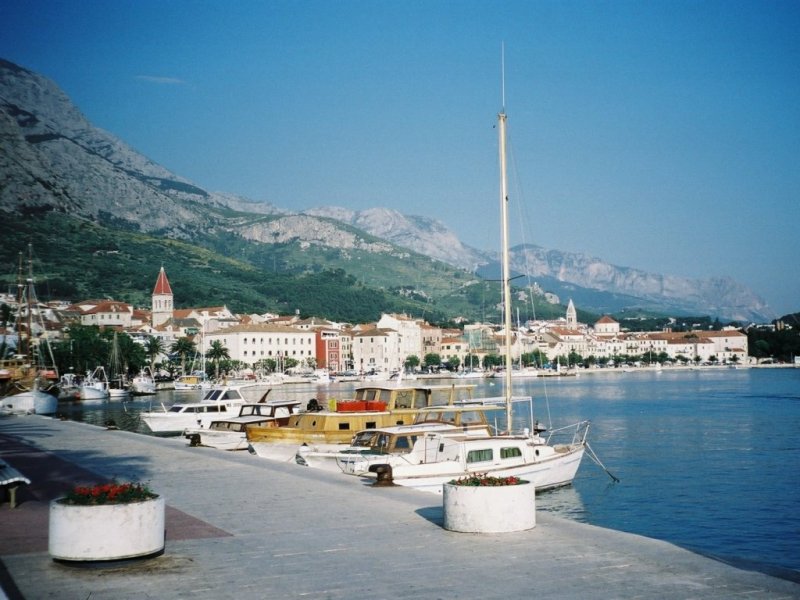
(658, 135)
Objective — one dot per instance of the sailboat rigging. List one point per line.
(437, 457)
(28, 378)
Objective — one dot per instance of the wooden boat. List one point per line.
(372, 406)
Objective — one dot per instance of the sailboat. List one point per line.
(28, 378)
(117, 382)
(438, 457)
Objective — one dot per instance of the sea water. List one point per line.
(707, 459)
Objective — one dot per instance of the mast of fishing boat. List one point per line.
(501, 126)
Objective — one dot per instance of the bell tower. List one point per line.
(572, 316)
(162, 300)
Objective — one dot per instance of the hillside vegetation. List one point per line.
(76, 259)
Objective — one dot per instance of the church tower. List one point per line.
(162, 300)
(572, 316)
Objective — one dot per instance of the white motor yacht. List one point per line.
(218, 402)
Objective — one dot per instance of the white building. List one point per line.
(409, 330)
(108, 313)
(252, 343)
(377, 350)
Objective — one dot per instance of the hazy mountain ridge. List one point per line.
(53, 159)
(719, 295)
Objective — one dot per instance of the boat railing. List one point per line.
(574, 434)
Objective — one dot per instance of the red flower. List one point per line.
(109, 493)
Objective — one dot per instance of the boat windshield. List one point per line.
(365, 439)
(453, 417)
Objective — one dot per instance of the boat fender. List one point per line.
(384, 474)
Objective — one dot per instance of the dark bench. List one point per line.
(10, 480)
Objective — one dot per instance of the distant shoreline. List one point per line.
(615, 370)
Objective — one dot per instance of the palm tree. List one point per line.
(153, 348)
(217, 352)
(183, 347)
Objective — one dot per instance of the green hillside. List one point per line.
(77, 259)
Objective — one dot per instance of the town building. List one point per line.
(377, 350)
(255, 342)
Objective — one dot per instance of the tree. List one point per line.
(216, 353)
(153, 348)
(574, 358)
(183, 347)
(453, 362)
(412, 362)
(492, 361)
(83, 349)
(432, 359)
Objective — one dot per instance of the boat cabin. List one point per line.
(450, 420)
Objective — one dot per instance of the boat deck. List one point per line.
(325, 536)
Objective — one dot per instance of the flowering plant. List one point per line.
(479, 479)
(108, 493)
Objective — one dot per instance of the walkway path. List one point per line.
(243, 527)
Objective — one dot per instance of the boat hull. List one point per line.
(29, 403)
(557, 471)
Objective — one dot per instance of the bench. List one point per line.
(10, 480)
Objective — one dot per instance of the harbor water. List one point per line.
(707, 459)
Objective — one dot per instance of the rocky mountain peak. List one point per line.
(53, 159)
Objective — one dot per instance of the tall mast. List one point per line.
(501, 126)
(29, 296)
(22, 347)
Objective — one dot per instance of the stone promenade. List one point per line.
(242, 527)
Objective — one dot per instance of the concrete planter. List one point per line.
(106, 532)
(489, 509)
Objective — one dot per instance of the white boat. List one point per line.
(28, 403)
(144, 384)
(95, 386)
(69, 388)
(219, 401)
(371, 446)
(117, 381)
(437, 458)
(191, 382)
(470, 374)
(230, 434)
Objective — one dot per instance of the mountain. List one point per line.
(53, 160)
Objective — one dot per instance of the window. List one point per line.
(474, 456)
(512, 452)
(403, 443)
